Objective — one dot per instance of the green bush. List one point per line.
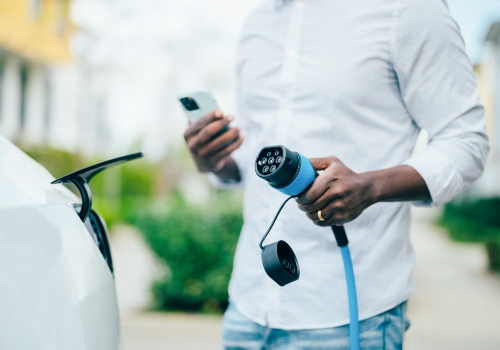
(120, 190)
(197, 244)
(473, 221)
(493, 251)
(476, 221)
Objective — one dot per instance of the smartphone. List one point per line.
(198, 103)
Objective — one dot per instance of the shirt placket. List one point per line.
(288, 81)
(289, 69)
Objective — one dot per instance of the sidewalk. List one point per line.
(457, 303)
(456, 306)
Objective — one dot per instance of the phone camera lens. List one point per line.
(189, 103)
(268, 154)
(263, 161)
(271, 160)
(265, 169)
(278, 160)
(277, 153)
(292, 268)
(273, 168)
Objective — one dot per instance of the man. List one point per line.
(350, 83)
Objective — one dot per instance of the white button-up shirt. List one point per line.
(357, 79)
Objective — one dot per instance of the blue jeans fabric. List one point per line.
(382, 332)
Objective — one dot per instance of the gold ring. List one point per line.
(319, 216)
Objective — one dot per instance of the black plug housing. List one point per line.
(280, 263)
(277, 165)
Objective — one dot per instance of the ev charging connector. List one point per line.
(292, 174)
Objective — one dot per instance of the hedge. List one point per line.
(476, 221)
(197, 244)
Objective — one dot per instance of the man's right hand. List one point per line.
(213, 154)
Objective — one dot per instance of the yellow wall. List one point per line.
(42, 37)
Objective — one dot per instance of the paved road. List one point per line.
(160, 331)
(456, 307)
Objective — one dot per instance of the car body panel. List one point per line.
(56, 289)
(24, 182)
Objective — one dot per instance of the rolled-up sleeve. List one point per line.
(439, 89)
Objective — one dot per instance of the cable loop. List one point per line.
(272, 223)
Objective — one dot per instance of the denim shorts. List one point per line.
(382, 332)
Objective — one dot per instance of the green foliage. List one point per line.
(118, 190)
(476, 221)
(197, 244)
(473, 221)
(493, 251)
(57, 162)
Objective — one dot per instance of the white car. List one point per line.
(56, 281)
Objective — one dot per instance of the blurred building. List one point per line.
(489, 79)
(34, 36)
(44, 95)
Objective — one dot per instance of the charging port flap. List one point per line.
(82, 177)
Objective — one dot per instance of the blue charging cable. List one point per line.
(291, 173)
(353, 299)
(342, 242)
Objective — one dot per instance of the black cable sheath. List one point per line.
(272, 223)
(340, 235)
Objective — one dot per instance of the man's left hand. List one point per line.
(340, 193)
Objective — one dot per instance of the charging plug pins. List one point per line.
(288, 266)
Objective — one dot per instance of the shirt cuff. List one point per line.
(440, 175)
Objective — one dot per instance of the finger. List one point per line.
(333, 193)
(337, 219)
(210, 131)
(223, 153)
(195, 127)
(329, 212)
(219, 143)
(317, 189)
(341, 217)
(206, 135)
(321, 163)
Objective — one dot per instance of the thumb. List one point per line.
(321, 163)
